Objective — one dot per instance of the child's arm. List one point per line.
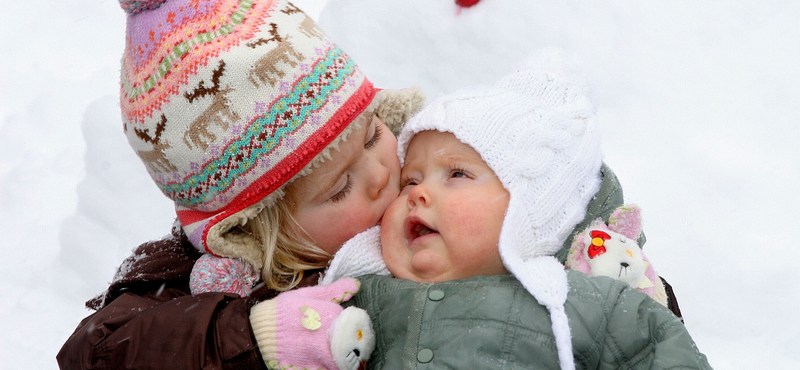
(165, 330)
(148, 318)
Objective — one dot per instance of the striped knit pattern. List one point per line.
(263, 134)
(227, 100)
(167, 49)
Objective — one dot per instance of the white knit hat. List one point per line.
(536, 129)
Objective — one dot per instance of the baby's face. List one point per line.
(446, 223)
(348, 193)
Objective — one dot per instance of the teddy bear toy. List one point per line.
(611, 250)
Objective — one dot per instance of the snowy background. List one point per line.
(700, 112)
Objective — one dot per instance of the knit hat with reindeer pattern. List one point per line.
(536, 129)
(227, 101)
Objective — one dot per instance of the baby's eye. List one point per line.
(458, 172)
(406, 184)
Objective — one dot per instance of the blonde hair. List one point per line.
(288, 254)
(288, 250)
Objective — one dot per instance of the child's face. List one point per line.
(446, 223)
(349, 193)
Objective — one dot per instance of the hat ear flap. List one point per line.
(236, 245)
(626, 220)
(222, 242)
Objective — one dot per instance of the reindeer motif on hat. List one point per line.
(266, 69)
(155, 159)
(219, 112)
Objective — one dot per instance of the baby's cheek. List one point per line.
(469, 218)
(396, 263)
(399, 261)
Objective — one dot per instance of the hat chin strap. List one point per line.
(546, 279)
(562, 335)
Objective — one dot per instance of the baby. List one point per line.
(495, 184)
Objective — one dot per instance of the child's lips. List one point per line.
(417, 228)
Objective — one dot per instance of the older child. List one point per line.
(275, 149)
(498, 180)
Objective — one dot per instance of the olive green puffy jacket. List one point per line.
(492, 322)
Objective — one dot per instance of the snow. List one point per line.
(700, 110)
(700, 107)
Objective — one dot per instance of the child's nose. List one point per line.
(378, 179)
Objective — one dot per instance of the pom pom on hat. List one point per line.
(136, 6)
(226, 275)
(552, 77)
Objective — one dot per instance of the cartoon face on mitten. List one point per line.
(614, 255)
(352, 338)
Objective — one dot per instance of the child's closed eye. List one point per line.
(376, 136)
(342, 193)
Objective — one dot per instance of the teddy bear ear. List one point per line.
(627, 220)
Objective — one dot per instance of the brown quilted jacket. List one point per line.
(148, 319)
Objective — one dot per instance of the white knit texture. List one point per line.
(359, 256)
(536, 129)
(538, 133)
(546, 279)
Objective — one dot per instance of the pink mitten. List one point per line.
(308, 329)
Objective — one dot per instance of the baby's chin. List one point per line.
(422, 276)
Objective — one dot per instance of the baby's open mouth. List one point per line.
(416, 228)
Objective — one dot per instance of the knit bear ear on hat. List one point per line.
(552, 76)
(227, 101)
